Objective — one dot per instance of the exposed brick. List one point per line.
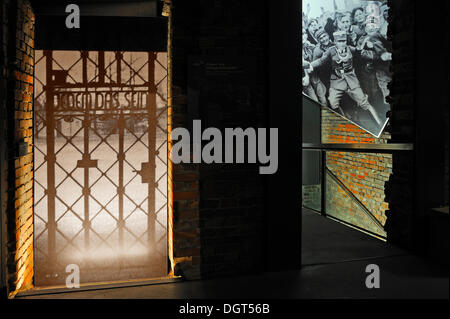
(20, 192)
(368, 175)
(203, 195)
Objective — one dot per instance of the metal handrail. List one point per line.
(359, 147)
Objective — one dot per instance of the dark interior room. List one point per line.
(163, 149)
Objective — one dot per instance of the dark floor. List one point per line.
(334, 257)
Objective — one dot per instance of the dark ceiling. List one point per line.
(137, 8)
(105, 25)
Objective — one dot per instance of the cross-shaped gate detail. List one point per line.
(100, 121)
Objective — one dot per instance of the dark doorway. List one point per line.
(100, 114)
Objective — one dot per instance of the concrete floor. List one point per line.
(334, 257)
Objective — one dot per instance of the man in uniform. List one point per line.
(319, 88)
(307, 55)
(376, 56)
(343, 78)
(324, 43)
(322, 76)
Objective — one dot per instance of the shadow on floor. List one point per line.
(335, 258)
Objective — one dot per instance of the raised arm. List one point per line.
(322, 60)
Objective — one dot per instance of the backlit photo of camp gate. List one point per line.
(100, 165)
(346, 59)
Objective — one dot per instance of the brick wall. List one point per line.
(19, 204)
(363, 174)
(336, 129)
(3, 132)
(402, 200)
(383, 183)
(399, 188)
(221, 233)
(183, 191)
(217, 209)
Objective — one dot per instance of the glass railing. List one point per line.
(343, 205)
(312, 180)
(347, 186)
(354, 191)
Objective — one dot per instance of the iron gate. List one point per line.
(100, 165)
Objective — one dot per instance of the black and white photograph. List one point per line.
(346, 59)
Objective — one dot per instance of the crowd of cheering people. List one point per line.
(346, 53)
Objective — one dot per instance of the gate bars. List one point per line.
(107, 105)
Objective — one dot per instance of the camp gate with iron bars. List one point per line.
(100, 165)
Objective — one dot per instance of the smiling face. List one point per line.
(313, 26)
(341, 44)
(324, 39)
(344, 23)
(372, 28)
(359, 16)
